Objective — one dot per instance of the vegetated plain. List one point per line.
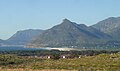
(96, 60)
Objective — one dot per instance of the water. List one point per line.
(14, 48)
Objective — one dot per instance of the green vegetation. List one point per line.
(57, 52)
(102, 62)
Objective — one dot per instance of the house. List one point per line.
(79, 57)
(48, 57)
(63, 56)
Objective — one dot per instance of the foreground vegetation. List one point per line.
(101, 62)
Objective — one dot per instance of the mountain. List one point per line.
(69, 34)
(108, 25)
(22, 37)
(1, 42)
(111, 26)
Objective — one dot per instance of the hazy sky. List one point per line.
(43, 14)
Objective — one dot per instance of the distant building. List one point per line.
(48, 57)
(63, 56)
(79, 57)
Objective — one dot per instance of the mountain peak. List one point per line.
(66, 20)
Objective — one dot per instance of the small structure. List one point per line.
(48, 57)
(79, 57)
(63, 56)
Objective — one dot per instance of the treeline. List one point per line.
(57, 52)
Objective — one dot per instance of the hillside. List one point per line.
(110, 26)
(69, 34)
(1, 42)
(22, 37)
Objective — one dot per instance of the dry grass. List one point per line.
(34, 70)
(102, 62)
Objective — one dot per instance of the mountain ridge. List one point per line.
(110, 26)
(69, 34)
(23, 36)
(105, 33)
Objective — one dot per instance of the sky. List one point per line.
(18, 15)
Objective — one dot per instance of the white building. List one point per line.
(48, 57)
(63, 56)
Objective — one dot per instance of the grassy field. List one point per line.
(101, 62)
(34, 70)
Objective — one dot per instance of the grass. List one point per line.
(34, 70)
(102, 62)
